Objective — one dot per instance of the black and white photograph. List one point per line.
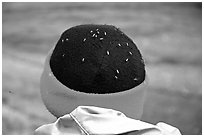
(102, 68)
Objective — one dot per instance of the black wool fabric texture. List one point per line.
(97, 59)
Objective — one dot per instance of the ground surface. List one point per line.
(168, 35)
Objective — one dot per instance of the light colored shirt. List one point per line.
(90, 120)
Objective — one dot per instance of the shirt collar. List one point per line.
(95, 120)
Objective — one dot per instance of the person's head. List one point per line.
(95, 65)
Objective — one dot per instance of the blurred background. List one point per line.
(168, 35)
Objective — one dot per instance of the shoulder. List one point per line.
(44, 130)
(168, 129)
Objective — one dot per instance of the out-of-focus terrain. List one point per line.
(168, 35)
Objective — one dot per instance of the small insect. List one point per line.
(62, 40)
(83, 59)
(105, 33)
(127, 44)
(84, 39)
(101, 38)
(117, 71)
(130, 53)
(93, 35)
(91, 31)
(108, 52)
(135, 79)
(116, 77)
(67, 39)
(126, 60)
(119, 45)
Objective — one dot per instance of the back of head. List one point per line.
(93, 65)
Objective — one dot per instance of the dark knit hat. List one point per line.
(97, 59)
